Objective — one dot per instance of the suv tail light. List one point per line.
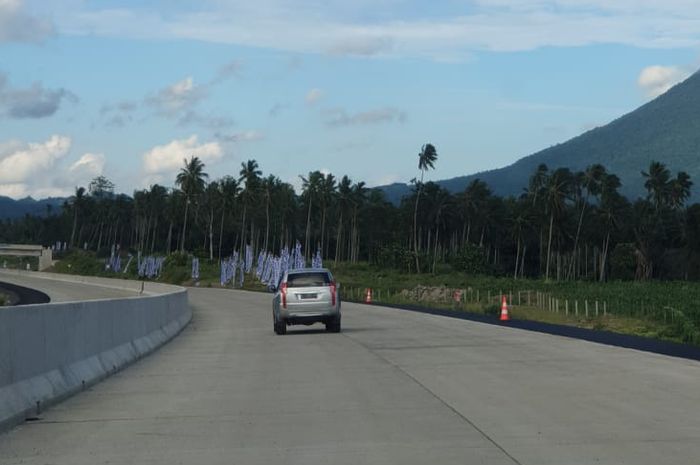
(333, 292)
(283, 290)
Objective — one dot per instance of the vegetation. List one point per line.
(569, 236)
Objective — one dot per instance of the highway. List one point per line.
(60, 291)
(395, 387)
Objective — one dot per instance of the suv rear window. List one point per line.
(308, 280)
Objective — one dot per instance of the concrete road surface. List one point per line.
(394, 388)
(60, 291)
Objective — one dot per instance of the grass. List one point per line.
(662, 310)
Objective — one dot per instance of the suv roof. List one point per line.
(309, 270)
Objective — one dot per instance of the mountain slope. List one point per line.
(667, 129)
(10, 208)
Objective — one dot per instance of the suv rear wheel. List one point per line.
(280, 327)
(333, 325)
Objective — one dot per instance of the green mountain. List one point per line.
(10, 208)
(667, 129)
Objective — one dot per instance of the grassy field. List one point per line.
(664, 310)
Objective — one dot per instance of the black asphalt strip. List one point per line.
(25, 296)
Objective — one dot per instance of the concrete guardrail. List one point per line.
(49, 352)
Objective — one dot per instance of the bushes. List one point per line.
(623, 262)
(396, 257)
(471, 260)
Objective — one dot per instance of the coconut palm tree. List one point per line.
(77, 203)
(557, 190)
(228, 192)
(657, 183)
(679, 190)
(359, 197)
(191, 179)
(326, 196)
(268, 188)
(250, 177)
(591, 182)
(344, 202)
(426, 160)
(311, 188)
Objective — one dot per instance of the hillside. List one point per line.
(666, 129)
(10, 208)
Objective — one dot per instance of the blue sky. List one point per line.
(129, 88)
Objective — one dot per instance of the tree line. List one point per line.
(565, 225)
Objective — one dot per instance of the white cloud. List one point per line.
(168, 158)
(16, 25)
(390, 28)
(314, 96)
(31, 160)
(89, 165)
(657, 80)
(177, 98)
(35, 168)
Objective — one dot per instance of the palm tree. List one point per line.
(679, 190)
(611, 204)
(473, 198)
(344, 202)
(77, 202)
(326, 195)
(556, 191)
(426, 160)
(591, 178)
(657, 183)
(359, 196)
(250, 177)
(191, 180)
(269, 186)
(228, 191)
(311, 187)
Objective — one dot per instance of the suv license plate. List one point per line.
(308, 296)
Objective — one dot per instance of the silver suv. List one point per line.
(305, 297)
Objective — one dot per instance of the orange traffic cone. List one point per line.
(368, 296)
(504, 309)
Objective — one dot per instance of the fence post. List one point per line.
(576, 307)
(567, 307)
(586, 308)
(605, 307)
(596, 308)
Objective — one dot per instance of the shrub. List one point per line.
(623, 262)
(471, 259)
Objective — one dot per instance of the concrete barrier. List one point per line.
(51, 351)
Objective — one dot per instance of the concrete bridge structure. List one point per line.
(24, 250)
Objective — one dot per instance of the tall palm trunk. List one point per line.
(338, 237)
(243, 227)
(308, 229)
(170, 238)
(517, 261)
(578, 235)
(415, 223)
(221, 229)
(75, 225)
(549, 244)
(211, 234)
(267, 223)
(184, 227)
